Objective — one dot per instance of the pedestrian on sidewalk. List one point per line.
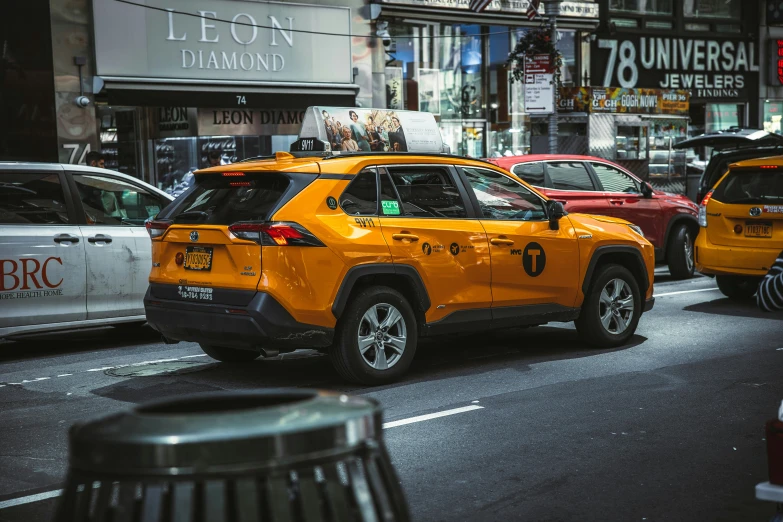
(770, 293)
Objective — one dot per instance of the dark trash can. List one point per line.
(288, 455)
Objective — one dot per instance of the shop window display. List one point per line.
(712, 8)
(662, 7)
(773, 113)
(177, 158)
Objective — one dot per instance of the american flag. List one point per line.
(479, 5)
(532, 9)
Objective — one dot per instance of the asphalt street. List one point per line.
(544, 428)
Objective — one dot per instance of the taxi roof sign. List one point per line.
(350, 129)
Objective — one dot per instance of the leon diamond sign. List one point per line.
(225, 40)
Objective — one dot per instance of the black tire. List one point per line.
(229, 355)
(345, 353)
(680, 253)
(738, 288)
(589, 325)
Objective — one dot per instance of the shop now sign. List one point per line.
(224, 40)
(708, 68)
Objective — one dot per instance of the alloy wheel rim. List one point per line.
(688, 251)
(616, 306)
(382, 336)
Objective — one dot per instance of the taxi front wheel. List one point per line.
(229, 355)
(611, 308)
(376, 337)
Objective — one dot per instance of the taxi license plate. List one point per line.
(756, 229)
(198, 258)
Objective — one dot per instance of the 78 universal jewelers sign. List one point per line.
(710, 69)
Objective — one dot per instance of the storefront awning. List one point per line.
(161, 92)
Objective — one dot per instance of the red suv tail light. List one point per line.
(157, 228)
(275, 234)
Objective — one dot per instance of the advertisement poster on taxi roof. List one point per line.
(373, 130)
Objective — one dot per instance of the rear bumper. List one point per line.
(724, 260)
(262, 322)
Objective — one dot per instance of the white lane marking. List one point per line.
(686, 292)
(57, 492)
(430, 416)
(142, 363)
(30, 498)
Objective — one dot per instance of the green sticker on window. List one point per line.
(391, 208)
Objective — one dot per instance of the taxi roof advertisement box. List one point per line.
(222, 40)
(398, 131)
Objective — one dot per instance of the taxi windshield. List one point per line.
(751, 186)
(222, 200)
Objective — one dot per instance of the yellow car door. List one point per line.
(535, 269)
(428, 224)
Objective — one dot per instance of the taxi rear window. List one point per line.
(219, 199)
(748, 186)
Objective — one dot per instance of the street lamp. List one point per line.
(552, 10)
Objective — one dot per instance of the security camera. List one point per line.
(82, 101)
(383, 33)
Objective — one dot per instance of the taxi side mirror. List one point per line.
(556, 212)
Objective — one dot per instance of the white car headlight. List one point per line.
(636, 229)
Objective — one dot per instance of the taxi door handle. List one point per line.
(616, 201)
(66, 238)
(99, 238)
(501, 241)
(400, 237)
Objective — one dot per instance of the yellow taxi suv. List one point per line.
(367, 237)
(742, 226)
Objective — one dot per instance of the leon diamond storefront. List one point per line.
(174, 92)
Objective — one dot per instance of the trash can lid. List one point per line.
(225, 433)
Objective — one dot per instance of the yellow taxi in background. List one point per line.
(358, 253)
(742, 226)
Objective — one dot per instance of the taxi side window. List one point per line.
(109, 201)
(533, 173)
(361, 196)
(500, 197)
(32, 199)
(569, 175)
(425, 192)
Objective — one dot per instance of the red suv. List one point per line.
(592, 185)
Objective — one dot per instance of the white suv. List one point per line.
(73, 248)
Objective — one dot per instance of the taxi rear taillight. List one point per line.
(157, 228)
(275, 234)
(703, 209)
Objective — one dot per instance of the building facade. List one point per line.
(170, 82)
(443, 58)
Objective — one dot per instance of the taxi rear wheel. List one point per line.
(229, 355)
(376, 337)
(611, 309)
(681, 262)
(737, 287)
